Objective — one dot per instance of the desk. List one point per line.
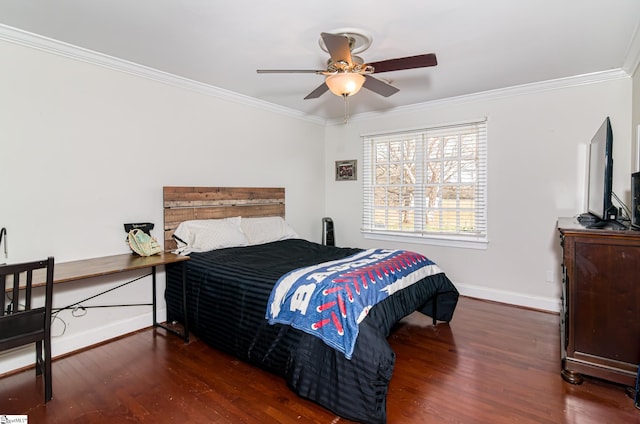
(65, 272)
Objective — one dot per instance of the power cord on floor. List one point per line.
(78, 310)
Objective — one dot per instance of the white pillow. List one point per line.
(266, 229)
(208, 234)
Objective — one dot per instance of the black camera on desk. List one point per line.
(146, 227)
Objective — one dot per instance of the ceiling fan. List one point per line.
(346, 73)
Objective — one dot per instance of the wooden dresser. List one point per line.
(600, 315)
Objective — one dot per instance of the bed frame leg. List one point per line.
(435, 309)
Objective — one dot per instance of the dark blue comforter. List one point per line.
(227, 294)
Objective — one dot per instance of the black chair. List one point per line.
(20, 324)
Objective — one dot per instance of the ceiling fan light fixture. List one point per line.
(345, 83)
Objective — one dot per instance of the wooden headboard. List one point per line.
(187, 203)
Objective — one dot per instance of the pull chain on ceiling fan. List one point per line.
(346, 73)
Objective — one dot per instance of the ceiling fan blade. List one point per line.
(379, 87)
(317, 92)
(288, 71)
(409, 62)
(338, 47)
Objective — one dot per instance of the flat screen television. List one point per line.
(601, 213)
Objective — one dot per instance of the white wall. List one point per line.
(537, 151)
(85, 149)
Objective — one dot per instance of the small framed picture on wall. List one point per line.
(346, 170)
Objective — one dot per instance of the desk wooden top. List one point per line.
(64, 272)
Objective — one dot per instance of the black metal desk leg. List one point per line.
(153, 278)
(185, 331)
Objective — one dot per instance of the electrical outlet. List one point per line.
(550, 277)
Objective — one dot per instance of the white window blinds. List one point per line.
(427, 183)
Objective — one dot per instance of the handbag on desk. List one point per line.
(142, 243)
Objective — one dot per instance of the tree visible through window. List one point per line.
(426, 183)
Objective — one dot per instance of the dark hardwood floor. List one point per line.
(492, 364)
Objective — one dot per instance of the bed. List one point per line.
(228, 292)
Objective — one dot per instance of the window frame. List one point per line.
(419, 206)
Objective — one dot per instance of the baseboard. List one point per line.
(24, 357)
(512, 298)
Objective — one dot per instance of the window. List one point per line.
(428, 183)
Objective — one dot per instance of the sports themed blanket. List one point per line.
(329, 300)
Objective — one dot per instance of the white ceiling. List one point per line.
(480, 45)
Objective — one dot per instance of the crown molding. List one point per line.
(632, 61)
(17, 36)
(537, 87)
(59, 48)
